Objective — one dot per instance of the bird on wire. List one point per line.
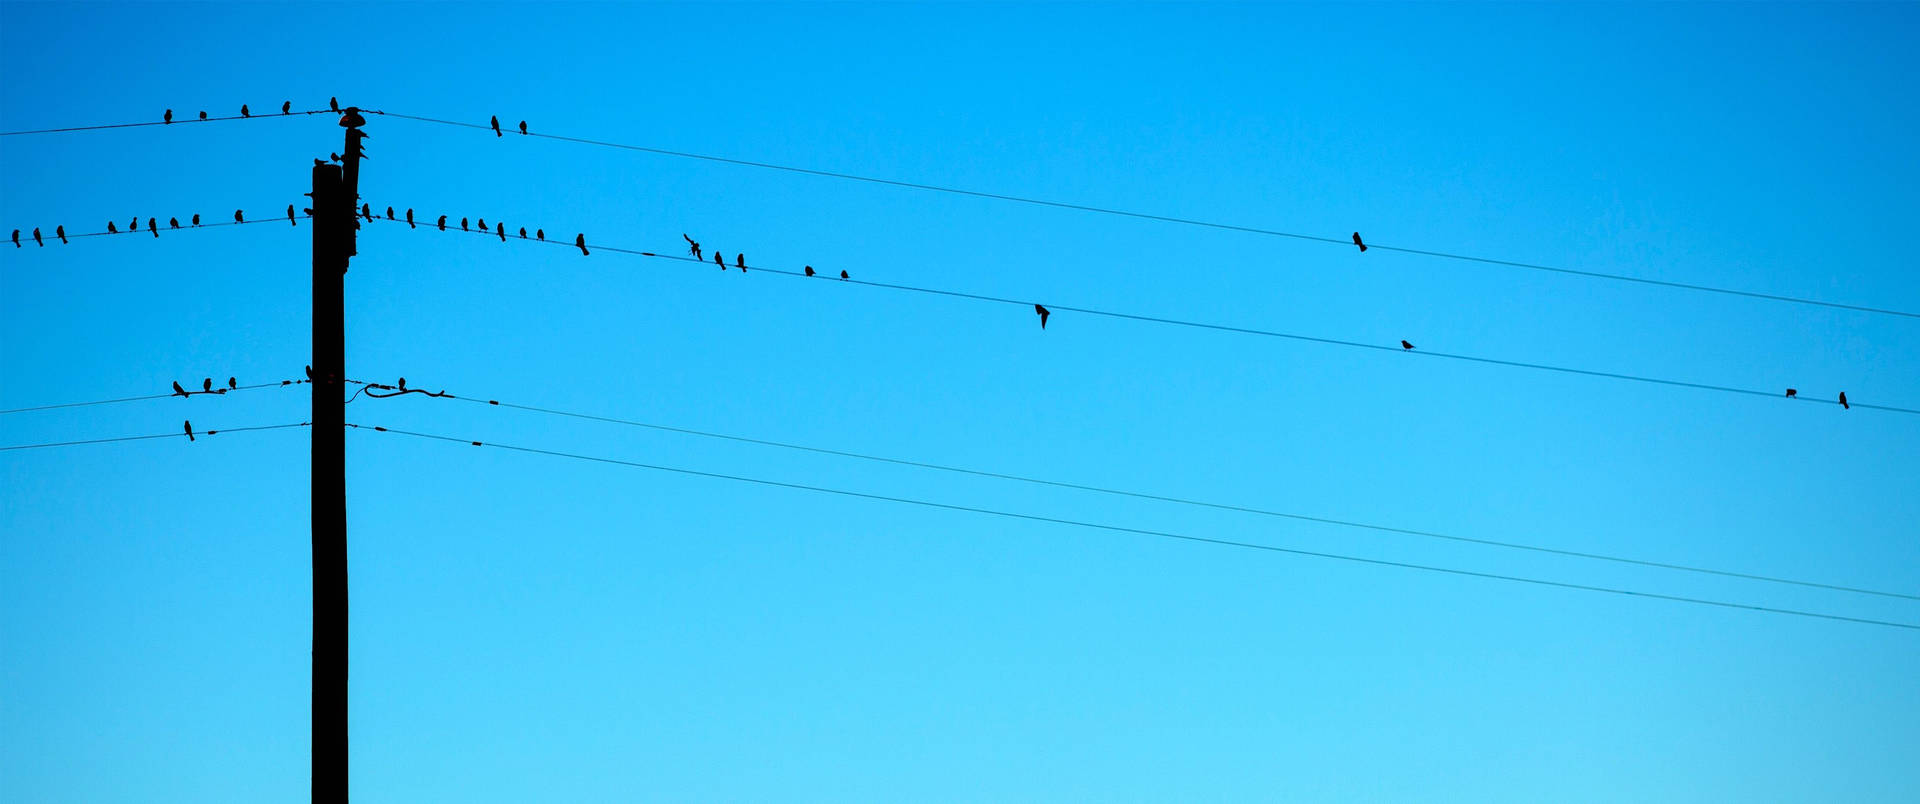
(36, 237)
(501, 230)
(110, 230)
(540, 234)
(290, 218)
(1406, 346)
(168, 117)
(1843, 401)
(410, 218)
(1791, 393)
(693, 246)
(843, 275)
(173, 223)
(244, 112)
(333, 103)
(203, 115)
(463, 225)
(523, 126)
(389, 213)
(740, 261)
(581, 241)
(233, 384)
(443, 223)
(237, 218)
(206, 385)
(286, 108)
(189, 426)
(179, 391)
(720, 260)
(152, 226)
(196, 219)
(1356, 241)
(61, 232)
(809, 270)
(1044, 313)
(495, 122)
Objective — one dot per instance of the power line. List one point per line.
(280, 384)
(216, 431)
(1338, 241)
(1178, 500)
(1148, 532)
(181, 122)
(1396, 349)
(186, 227)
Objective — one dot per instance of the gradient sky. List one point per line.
(529, 628)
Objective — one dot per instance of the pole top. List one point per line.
(350, 118)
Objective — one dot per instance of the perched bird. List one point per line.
(177, 390)
(463, 225)
(189, 426)
(843, 275)
(523, 233)
(173, 223)
(290, 220)
(389, 213)
(168, 117)
(1791, 393)
(16, 237)
(36, 237)
(581, 241)
(1405, 345)
(233, 384)
(720, 261)
(501, 230)
(237, 217)
(410, 218)
(366, 211)
(809, 270)
(333, 103)
(206, 384)
(403, 383)
(134, 225)
(203, 115)
(309, 374)
(481, 222)
(319, 162)
(61, 232)
(110, 230)
(523, 126)
(496, 125)
(539, 234)
(443, 223)
(1044, 312)
(333, 156)
(740, 262)
(693, 246)
(286, 108)
(153, 226)
(196, 219)
(244, 112)
(1843, 401)
(1356, 241)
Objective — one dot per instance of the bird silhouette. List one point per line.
(720, 261)
(333, 103)
(1356, 241)
(501, 230)
(463, 225)
(233, 384)
(366, 211)
(61, 232)
(523, 233)
(168, 117)
(740, 262)
(809, 270)
(206, 384)
(443, 223)
(482, 223)
(177, 390)
(309, 374)
(581, 241)
(1405, 345)
(196, 219)
(286, 108)
(495, 122)
(410, 218)
(110, 230)
(134, 225)
(523, 126)
(244, 112)
(153, 226)
(1044, 312)
(189, 426)
(203, 115)
(539, 234)
(693, 246)
(290, 219)
(843, 275)
(389, 213)
(1843, 401)
(402, 383)
(173, 223)
(319, 163)
(331, 156)
(16, 237)
(36, 237)
(237, 218)
(1791, 393)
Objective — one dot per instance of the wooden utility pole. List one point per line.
(335, 194)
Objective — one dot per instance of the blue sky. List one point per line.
(528, 627)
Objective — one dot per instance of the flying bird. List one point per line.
(290, 220)
(110, 230)
(1791, 393)
(581, 241)
(496, 125)
(539, 234)
(169, 116)
(333, 103)
(443, 223)
(233, 384)
(809, 270)
(244, 112)
(36, 237)
(1044, 312)
(389, 213)
(203, 115)
(1843, 401)
(177, 390)
(410, 218)
(523, 126)
(61, 232)
(286, 108)
(237, 217)
(843, 275)
(1356, 241)
(1405, 345)
(196, 219)
(206, 384)
(740, 262)
(189, 426)
(173, 223)
(501, 230)
(152, 226)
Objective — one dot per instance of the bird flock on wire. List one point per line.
(499, 230)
